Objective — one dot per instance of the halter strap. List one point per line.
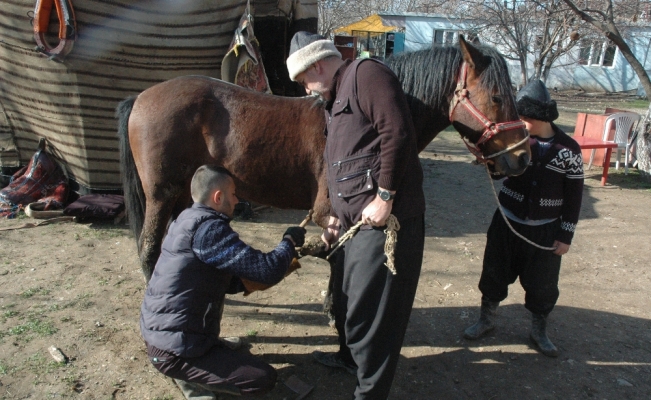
(462, 96)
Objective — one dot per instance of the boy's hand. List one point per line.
(296, 234)
(561, 248)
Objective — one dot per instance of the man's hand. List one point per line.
(296, 234)
(331, 232)
(561, 248)
(377, 211)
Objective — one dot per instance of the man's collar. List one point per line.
(336, 82)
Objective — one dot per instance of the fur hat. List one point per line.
(307, 48)
(534, 101)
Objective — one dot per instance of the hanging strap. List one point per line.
(67, 27)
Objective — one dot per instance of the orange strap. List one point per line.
(67, 26)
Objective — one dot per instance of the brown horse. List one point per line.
(274, 145)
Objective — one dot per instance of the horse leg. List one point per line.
(157, 215)
(321, 203)
(184, 201)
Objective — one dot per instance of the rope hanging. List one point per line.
(499, 206)
(393, 226)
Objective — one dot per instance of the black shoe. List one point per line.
(486, 320)
(333, 360)
(194, 391)
(539, 335)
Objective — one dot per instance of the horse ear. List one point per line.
(472, 55)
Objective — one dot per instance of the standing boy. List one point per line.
(542, 205)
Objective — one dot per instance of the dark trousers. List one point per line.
(508, 257)
(220, 370)
(372, 306)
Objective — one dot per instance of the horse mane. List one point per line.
(428, 76)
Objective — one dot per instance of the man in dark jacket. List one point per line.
(542, 205)
(203, 259)
(373, 172)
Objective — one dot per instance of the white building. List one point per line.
(593, 66)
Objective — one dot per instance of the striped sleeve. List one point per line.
(217, 244)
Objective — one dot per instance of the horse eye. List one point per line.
(497, 100)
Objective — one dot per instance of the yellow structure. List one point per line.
(372, 23)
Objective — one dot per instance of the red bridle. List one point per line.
(461, 96)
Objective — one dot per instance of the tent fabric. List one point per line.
(72, 104)
(372, 23)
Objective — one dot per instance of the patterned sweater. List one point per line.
(551, 187)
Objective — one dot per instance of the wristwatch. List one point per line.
(385, 194)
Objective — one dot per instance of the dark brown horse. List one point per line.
(274, 145)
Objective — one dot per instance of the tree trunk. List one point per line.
(633, 61)
(523, 70)
(643, 146)
(537, 71)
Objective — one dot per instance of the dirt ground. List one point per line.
(78, 287)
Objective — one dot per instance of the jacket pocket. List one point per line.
(341, 106)
(354, 162)
(354, 183)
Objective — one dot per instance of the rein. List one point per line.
(462, 96)
(518, 234)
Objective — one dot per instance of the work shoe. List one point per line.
(485, 323)
(334, 360)
(194, 391)
(539, 335)
(231, 342)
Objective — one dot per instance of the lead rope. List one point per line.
(393, 226)
(499, 206)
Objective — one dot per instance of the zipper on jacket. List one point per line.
(355, 175)
(339, 163)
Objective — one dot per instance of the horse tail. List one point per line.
(134, 196)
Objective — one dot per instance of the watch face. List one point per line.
(384, 195)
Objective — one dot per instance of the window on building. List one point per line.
(597, 53)
(609, 55)
(444, 37)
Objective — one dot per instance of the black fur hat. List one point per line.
(534, 101)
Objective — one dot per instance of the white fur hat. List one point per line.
(307, 48)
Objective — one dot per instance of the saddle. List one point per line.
(43, 180)
(242, 64)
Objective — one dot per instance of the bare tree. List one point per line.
(505, 23)
(538, 30)
(557, 37)
(603, 15)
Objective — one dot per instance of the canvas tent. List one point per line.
(122, 48)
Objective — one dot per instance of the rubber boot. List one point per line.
(193, 391)
(485, 323)
(539, 335)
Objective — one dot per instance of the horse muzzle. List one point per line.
(512, 163)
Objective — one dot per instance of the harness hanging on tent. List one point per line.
(67, 27)
(242, 64)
